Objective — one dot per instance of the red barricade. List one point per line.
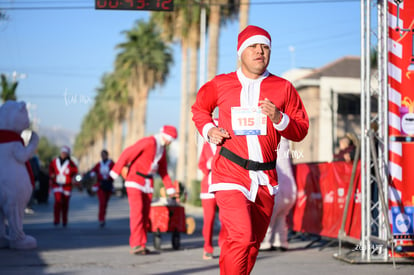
(320, 203)
(166, 218)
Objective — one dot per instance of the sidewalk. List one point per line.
(85, 248)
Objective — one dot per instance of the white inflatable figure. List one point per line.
(15, 182)
(277, 232)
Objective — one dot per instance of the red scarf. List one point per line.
(10, 136)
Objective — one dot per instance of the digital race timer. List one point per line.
(155, 5)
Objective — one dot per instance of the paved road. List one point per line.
(84, 248)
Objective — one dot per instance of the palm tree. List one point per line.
(146, 59)
(244, 14)
(220, 11)
(118, 103)
(84, 140)
(243, 17)
(175, 26)
(93, 130)
(97, 131)
(192, 134)
(8, 90)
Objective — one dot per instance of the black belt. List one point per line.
(143, 175)
(246, 163)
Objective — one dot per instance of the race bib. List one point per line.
(61, 179)
(104, 171)
(248, 121)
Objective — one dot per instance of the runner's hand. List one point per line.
(217, 135)
(269, 109)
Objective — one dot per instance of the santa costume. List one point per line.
(103, 186)
(62, 172)
(244, 177)
(145, 158)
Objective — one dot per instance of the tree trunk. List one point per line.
(243, 18)
(110, 140)
(213, 38)
(98, 147)
(129, 126)
(192, 160)
(132, 110)
(184, 110)
(118, 139)
(244, 14)
(141, 112)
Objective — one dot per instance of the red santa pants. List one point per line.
(103, 198)
(61, 206)
(209, 214)
(139, 209)
(246, 223)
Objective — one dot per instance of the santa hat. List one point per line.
(169, 132)
(65, 149)
(252, 35)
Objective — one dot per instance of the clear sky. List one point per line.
(61, 54)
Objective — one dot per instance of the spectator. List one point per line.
(277, 233)
(346, 149)
(35, 166)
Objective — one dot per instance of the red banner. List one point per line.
(320, 203)
(401, 123)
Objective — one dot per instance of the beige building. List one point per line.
(331, 95)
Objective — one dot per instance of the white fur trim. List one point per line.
(207, 196)
(60, 190)
(146, 189)
(170, 191)
(250, 195)
(113, 174)
(167, 137)
(255, 39)
(207, 128)
(230, 186)
(284, 122)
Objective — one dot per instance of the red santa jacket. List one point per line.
(235, 90)
(204, 164)
(102, 169)
(147, 157)
(62, 173)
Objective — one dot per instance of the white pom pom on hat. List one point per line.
(252, 35)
